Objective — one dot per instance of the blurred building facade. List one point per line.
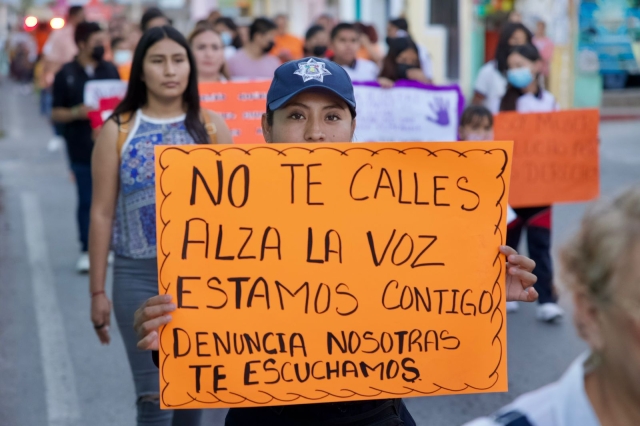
(590, 36)
(459, 34)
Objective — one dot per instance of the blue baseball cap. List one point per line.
(295, 77)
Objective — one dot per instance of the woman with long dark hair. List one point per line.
(525, 91)
(401, 63)
(491, 83)
(526, 94)
(161, 107)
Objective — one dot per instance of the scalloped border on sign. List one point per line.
(295, 397)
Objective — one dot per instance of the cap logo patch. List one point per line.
(312, 70)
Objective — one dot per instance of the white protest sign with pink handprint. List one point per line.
(409, 111)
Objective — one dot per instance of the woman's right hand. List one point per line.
(149, 317)
(101, 317)
(417, 74)
(386, 83)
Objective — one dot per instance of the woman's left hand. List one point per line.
(386, 83)
(416, 74)
(520, 277)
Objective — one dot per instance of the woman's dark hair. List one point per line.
(312, 31)
(230, 23)
(503, 49)
(510, 99)
(149, 15)
(396, 47)
(400, 23)
(473, 116)
(368, 30)
(136, 96)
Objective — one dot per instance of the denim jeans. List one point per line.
(537, 221)
(46, 102)
(135, 281)
(82, 173)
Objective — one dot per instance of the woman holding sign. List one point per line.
(402, 63)
(303, 105)
(526, 94)
(162, 106)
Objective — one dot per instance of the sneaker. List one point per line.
(549, 312)
(110, 258)
(83, 263)
(512, 307)
(55, 144)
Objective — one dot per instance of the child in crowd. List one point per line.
(476, 124)
(526, 94)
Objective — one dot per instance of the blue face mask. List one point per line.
(226, 38)
(520, 77)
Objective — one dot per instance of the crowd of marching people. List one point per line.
(113, 173)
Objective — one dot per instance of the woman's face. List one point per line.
(408, 57)
(312, 116)
(518, 38)
(208, 51)
(516, 60)
(166, 69)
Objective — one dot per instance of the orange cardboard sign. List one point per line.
(331, 272)
(241, 104)
(555, 156)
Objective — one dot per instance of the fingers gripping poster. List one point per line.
(331, 272)
(409, 111)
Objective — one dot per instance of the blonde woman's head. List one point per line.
(601, 267)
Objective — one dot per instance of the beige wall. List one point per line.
(467, 22)
(432, 37)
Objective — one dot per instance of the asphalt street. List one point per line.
(54, 372)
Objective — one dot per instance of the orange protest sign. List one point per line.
(331, 272)
(555, 156)
(241, 104)
(125, 72)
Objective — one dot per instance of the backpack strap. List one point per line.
(123, 130)
(212, 131)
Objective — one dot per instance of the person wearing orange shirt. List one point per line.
(288, 47)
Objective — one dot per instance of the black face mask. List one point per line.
(268, 47)
(319, 50)
(98, 53)
(401, 70)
